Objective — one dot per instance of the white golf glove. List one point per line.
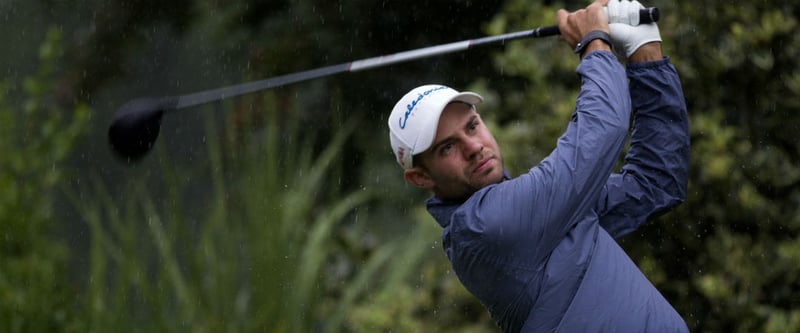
(627, 34)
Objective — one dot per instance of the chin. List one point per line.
(495, 176)
(489, 180)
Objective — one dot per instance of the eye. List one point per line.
(473, 125)
(445, 149)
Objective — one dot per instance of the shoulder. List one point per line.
(494, 213)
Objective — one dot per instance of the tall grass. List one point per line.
(252, 239)
(249, 240)
(254, 261)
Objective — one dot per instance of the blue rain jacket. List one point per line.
(538, 250)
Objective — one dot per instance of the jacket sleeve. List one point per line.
(537, 209)
(655, 174)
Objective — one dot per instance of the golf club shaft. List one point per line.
(646, 15)
(358, 65)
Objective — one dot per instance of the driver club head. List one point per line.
(135, 127)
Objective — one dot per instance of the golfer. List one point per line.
(538, 250)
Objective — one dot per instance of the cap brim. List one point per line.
(467, 97)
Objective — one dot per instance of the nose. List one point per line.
(472, 148)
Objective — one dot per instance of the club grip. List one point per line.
(649, 15)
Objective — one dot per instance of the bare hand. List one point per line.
(575, 25)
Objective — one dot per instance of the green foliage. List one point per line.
(419, 293)
(742, 210)
(252, 263)
(36, 137)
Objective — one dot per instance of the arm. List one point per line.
(530, 214)
(655, 174)
(539, 208)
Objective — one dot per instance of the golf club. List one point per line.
(135, 126)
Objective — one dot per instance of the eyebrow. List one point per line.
(448, 139)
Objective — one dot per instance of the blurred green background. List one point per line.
(284, 211)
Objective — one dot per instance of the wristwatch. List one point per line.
(592, 35)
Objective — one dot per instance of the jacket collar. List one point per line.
(442, 210)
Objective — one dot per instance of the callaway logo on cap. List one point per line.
(415, 117)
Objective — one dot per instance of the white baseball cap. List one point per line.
(415, 118)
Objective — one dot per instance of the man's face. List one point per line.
(463, 158)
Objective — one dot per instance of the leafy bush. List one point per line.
(36, 138)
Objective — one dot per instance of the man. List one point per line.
(538, 250)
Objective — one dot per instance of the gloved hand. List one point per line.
(627, 34)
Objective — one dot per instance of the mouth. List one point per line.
(483, 165)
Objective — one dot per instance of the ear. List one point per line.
(418, 177)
